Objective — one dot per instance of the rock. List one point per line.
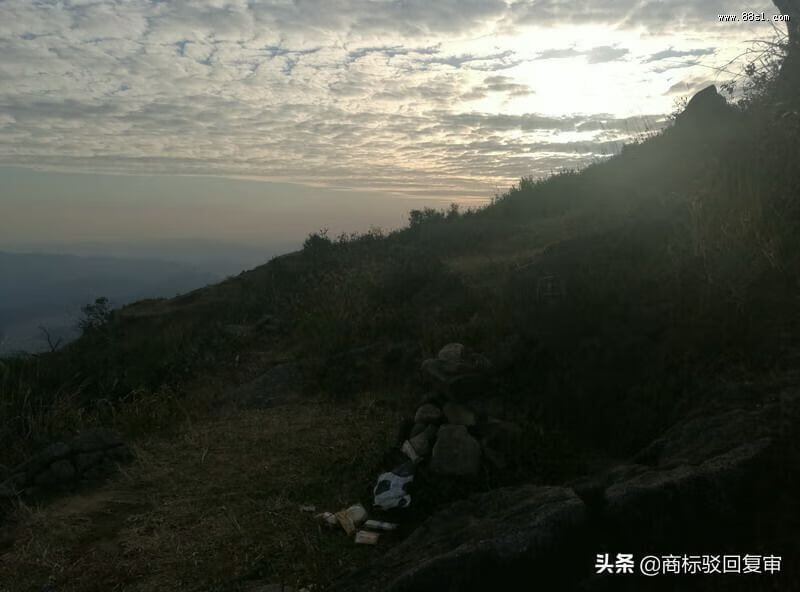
(459, 414)
(45, 458)
(468, 387)
(705, 112)
(428, 413)
(456, 452)
(477, 540)
(410, 452)
(724, 477)
(90, 455)
(423, 442)
(417, 428)
(463, 383)
(432, 367)
(452, 353)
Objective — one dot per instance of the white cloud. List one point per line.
(449, 97)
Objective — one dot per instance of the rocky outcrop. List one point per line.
(91, 456)
(456, 427)
(723, 479)
(706, 108)
(485, 534)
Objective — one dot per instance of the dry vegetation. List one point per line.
(211, 506)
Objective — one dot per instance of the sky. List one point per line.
(251, 121)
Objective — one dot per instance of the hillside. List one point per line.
(640, 322)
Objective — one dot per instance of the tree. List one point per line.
(51, 343)
(96, 316)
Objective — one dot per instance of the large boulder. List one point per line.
(458, 372)
(723, 480)
(501, 441)
(478, 540)
(428, 413)
(706, 113)
(456, 452)
(456, 413)
(452, 354)
(91, 456)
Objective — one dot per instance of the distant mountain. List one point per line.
(47, 290)
(217, 257)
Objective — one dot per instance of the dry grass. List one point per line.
(213, 508)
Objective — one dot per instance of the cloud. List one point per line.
(594, 55)
(676, 53)
(557, 54)
(404, 95)
(495, 61)
(605, 53)
(650, 15)
(506, 85)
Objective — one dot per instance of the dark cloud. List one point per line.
(605, 53)
(677, 53)
(556, 54)
(653, 15)
(345, 93)
(495, 61)
(506, 84)
(595, 55)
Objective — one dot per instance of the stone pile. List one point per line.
(723, 477)
(454, 431)
(91, 456)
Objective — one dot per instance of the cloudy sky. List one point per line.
(398, 101)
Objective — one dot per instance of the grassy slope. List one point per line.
(680, 270)
(213, 506)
